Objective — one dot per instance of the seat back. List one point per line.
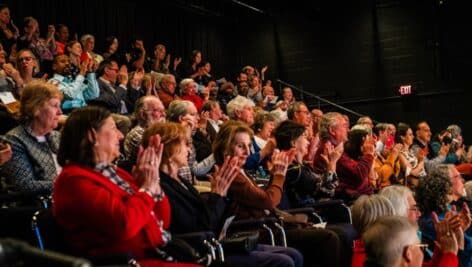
(47, 232)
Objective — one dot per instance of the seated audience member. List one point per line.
(333, 129)
(102, 209)
(303, 187)
(188, 91)
(110, 47)
(62, 37)
(77, 90)
(403, 201)
(412, 164)
(316, 115)
(242, 109)
(320, 247)
(27, 65)
(166, 91)
(10, 78)
(149, 110)
(191, 213)
(185, 113)
(366, 121)
(435, 195)
(354, 168)
(112, 97)
(205, 136)
(34, 142)
(88, 44)
(405, 205)
(298, 112)
(456, 153)
(421, 147)
(287, 96)
(263, 127)
(226, 93)
(365, 211)
(392, 242)
(387, 167)
(45, 49)
(268, 98)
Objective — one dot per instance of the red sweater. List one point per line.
(354, 175)
(196, 100)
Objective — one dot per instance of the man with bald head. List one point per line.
(149, 109)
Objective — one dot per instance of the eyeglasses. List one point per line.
(115, 69)
(306, 112)
(25, 59)
(414, 209)
(154, 110)
(422, 246)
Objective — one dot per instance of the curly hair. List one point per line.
(433, 189)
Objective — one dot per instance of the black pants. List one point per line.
(319, 247)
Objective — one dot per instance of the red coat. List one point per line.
(99, 217)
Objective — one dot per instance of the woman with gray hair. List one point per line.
(404, 204)
(189, 91)
(402, 200)
(35, 143)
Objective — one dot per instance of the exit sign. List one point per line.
(405, 89)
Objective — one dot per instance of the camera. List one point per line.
(447, 140)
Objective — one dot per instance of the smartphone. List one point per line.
(390, 142)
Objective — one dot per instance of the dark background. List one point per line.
(355, 53)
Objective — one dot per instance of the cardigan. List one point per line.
(32, 167)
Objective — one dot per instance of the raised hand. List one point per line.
(177, 61)
(146, 170)
(5, 153)
(167, 62)
(223, 177)
(465, 217)
(279, 162)
(446, 232)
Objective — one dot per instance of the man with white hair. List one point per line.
(333, 129)
(392, 241)
(149, 109)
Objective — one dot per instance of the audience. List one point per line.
(320, 247)
(192, 213)
(102, 209)
(320, 157)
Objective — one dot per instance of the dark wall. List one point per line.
(358, 53)
(353, 52)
